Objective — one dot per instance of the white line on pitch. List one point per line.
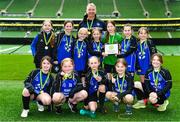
(4, 50)
(169, 34)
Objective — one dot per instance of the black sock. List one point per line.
(109, 85)
(139, 94)
(40, 102)
(86, 102)
(101, 99)
(26, 101)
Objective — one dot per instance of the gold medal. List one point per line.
(79, 55)
(89, 32)
(46, 48)
(41, 91)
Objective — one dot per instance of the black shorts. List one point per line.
(35, 95)
(109, 68)
(81, 73)
(93, 97)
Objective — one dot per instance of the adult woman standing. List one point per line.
(90, 20)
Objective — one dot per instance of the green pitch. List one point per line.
(15, 68)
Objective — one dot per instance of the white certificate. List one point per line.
(111, 48)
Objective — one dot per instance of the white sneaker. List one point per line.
(40, 107)
(24, 113)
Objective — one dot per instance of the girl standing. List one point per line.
(65, 41)
(145, 49)
(128, 48)
(111, 37)
(43, 44)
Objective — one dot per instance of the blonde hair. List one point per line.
(93, 57)
(90, 5)
(145, 29)
(67, 60)
(96, 29)
(82, 30)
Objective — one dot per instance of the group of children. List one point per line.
(84, 72)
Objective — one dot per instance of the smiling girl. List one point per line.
(37, 87)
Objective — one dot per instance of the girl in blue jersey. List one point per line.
(37, 86)
(128, 48)
(95, 85)
(122, 87)
(80, 53)
(145, 49)
(68, 87)
(64, 42)
(95, 46)
(43, 44)
(158, 83)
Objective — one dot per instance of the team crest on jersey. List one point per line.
(142, 55)
(41, 40)
(98, 24)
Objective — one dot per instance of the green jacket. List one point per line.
(113, 39)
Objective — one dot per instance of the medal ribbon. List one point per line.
(141, 47)
(68, 43)
(98, 46)
(155, 79)
(111, 40)
(125, 45)
(79, 49)
(120, 86)
(90, 26)
(95, 74)
(45, 40)
(47, 78)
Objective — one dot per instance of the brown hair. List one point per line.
(45, 58)
(96, 29)
(121, 60)
(68, 21)
(159, 57)
(107, 35)
(143, 28)
(66, 60)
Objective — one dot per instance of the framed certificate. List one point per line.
(111, 48)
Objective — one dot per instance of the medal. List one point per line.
(41, 91)
(79, 55)
(79, 49)
(46, 48)
(89, 32)
(68, 44)
(89, 26)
